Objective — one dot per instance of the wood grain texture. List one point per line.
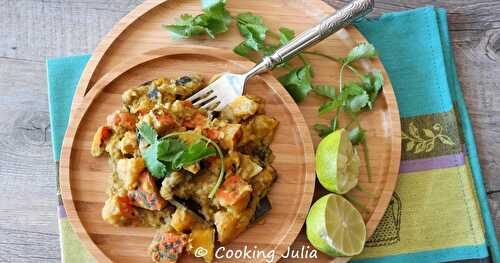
(35, 29)
(138, 33)
(84, 178)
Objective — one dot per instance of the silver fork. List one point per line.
(229, 86)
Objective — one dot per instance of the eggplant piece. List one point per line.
(263, 208)
(147, 83)
(191, 206)
(183, 80)
(153, 93)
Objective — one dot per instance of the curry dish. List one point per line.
(194, 175)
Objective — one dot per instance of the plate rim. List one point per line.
(352, 35)
(82, 108)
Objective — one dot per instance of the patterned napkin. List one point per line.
(439, 211)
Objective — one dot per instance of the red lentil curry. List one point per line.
(195, 176)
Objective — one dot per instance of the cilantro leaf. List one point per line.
(377, 80)
(328, 106)
(361, 51)
(169, 150)
(194, 153)
(325, 91)
(323, 130)
(358, 102)
(334, 123)
(169, 154)
(185, 27)
(372, 83)
(215, 19)
(357, 136)
(252, 28)
(242, 49)
(155, 167)
(353, 89)
(286, 34)
(298, 82)
(208, 3)
(148, 133)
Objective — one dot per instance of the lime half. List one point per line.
(335, 227)
(337, 163)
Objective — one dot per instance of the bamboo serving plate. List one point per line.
(138, 49)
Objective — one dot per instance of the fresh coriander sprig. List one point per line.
(168, 154)
(214, 20)
(353, 97)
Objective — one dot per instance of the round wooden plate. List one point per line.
(84, 178)
(140, 31)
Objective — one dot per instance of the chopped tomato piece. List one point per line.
(147, 195)
(105, 133)
(126, 120)
(197, 120)
(211, 133)
(166, 119)
(187, 104)
(99, 141)
(166, 247)
(125, 206)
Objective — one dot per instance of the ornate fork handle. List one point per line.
(324, 29)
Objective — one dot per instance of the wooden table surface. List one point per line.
(32, 30)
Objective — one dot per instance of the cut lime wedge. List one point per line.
(335, 227)
(337, 163)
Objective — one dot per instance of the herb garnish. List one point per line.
(215, 19)
(352, 98)
(169, 154)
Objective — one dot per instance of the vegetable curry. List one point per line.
(196, 176)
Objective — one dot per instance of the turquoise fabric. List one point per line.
(63, 75)
(458, 99)
(411, 51)
(414, 47)
(438, 255)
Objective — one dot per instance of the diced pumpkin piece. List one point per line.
(231, 135)
(167, 246)
(143, 105)
(128, 144)
(118, 210)
(259, 130)
(193, 168)
(202, 237)
(131, 95)
(230, 225)
(262, 182)
(147, 195)
(128, 171)
(102, 134)
(234, 193)
(264, 127)
(239, 109)
(248, 168)
(182, 220)
(169, 183)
